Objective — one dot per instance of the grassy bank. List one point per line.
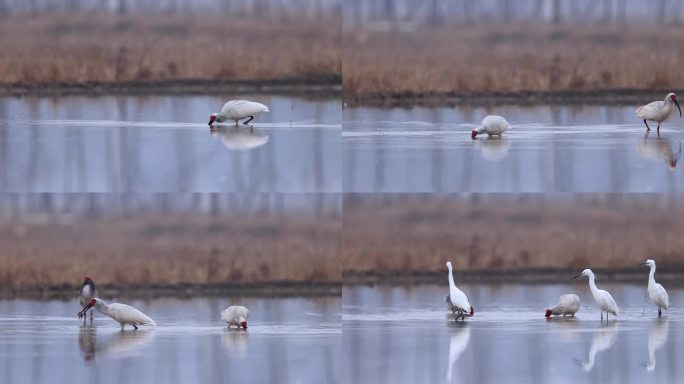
(411, 237)
(523, 60)
(171, 252)
(91, 49)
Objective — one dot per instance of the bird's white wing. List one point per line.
(242, 108)
(661, 296)
(459, 299)
(610, 302)
(649, 110)
(127, 313)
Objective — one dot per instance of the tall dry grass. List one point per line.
(491, 58)
(167, 249)
(418, 234)
(107, 48)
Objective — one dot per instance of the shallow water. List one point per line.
(288, 340)
(548, 149)
(403, 335)
(163, 144)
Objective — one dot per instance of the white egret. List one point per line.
(85, 294)
(235, 315)
(567, 305)
(492, 125)
(457, 301)
(237, 110)
(658, 111)
(656, 292)
(124, 314)
(603, 299)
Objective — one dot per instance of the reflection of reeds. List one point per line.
(510, 58)
(410, 234)
(107, 48)
(167, 249)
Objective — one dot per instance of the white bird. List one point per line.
(237, 140)
(85, 294)
(237, 110)
(656, 292)
(124, 314)
(657, 336)
(567, 305)
(603, 299)
(235, 315)
(492, 125)
(603, 340)
(457, 302)
(660, 150)
(458, 344)
(658, 111)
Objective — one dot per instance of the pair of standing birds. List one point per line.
(657, 111)
(125, 314)
(569, 304)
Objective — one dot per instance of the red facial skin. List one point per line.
(86, 279)
(473, 134)
(244, 324)
(673, 164)
(472, 311)
(548, 313)
(211, 119)
(673, 97)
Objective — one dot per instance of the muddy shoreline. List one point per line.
(452, 99)
(274, 289)
(310, 88)
(531, 276)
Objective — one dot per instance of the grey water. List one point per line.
(403, 335)
(163, 144)
(288, 340)
(549, 148)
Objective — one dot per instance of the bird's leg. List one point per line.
(658, 130)
(91, 316)
(648, 129)
(658, 311)
(122, 326)
(135, 326)
(601, 315)
(250, 119)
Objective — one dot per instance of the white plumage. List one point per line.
(603, 299)
(124, 314)
(457, 301)
(492, 125)
(235, 315)
(658, 111)
(656, 292)
(238, 110)
(567, 305)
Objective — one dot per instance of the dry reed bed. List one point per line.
(166, 249)
(510, 58)
(79, 48)
(487, 233)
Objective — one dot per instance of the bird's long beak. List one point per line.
(211, 120)
(677, 104)
(576, 276)
(644, 263)
(83, 311)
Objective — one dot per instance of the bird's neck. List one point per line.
(102, 307)
(592, 284)
(651, 275)
(451, 280)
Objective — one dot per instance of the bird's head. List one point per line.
(448, 264)
(473, 134)
(243, 323)
(90, 304)
(87, 279)
(586, 272)
(673, 97)
(648, 262)
(214, 117)
(548, 313)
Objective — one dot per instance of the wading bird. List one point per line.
(237, 110)
(235, 315)
(124, 314)
(492, 125)
(85, 294)
(603, 299)
(457, 302)
(567, 305)
(658, 111)
(656, 292)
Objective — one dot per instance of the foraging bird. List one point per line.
(657, 336)
(124, 314)
(237, 110)
(235, 315)
(603, 299)
(87, 293)
(458, 344)
(656, 292)
(658, 111)
(567, 305)
(492, 125)
(457, 302)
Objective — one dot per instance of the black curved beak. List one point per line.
(210, 122)
(87, 307)
(644, 263)
(677, 104)
(576, 276)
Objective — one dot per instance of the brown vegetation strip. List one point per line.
(515, 59)
(409, 235)
(166, 250)
(81, 48)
